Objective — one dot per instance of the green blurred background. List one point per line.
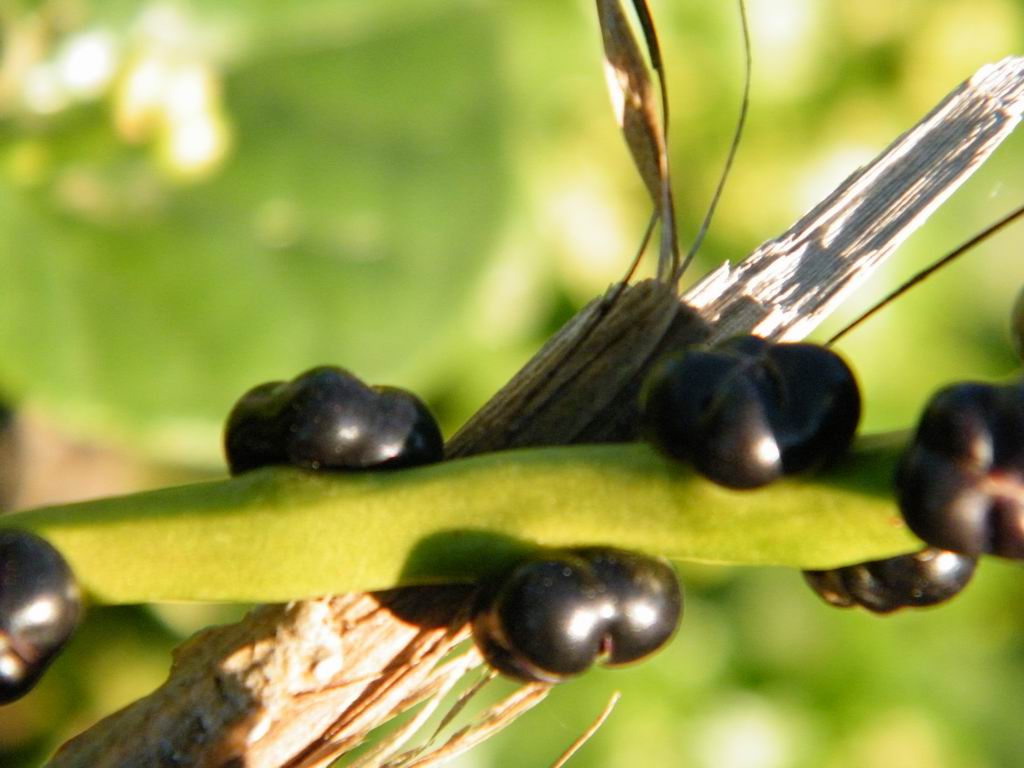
(196, 197)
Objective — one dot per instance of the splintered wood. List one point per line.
(785, 288)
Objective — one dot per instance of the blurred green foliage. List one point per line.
(195, 197)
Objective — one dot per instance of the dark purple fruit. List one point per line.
(917, 580)
(555, 616)
(328, 419)
(750, 410)
(960, 483)
(708, 408)
(647, 598)
(251, 438)
(39, 608)
(546, 621)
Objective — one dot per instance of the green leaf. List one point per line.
(281, 534)
(350, 226)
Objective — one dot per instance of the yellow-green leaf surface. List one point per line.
(280, 534)
(142, 307)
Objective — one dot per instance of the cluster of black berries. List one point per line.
(555, 615)
(743, 414)
(40, 605)
(961, 481)
(328, 419)
(916, 580)
(750, 411)
(960, 487)
(550, 617)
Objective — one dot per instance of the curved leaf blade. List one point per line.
(281, 534)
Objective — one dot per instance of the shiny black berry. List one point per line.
(960, 483)
(555, 616)
(39, 608)
(749, 410)
(546, 621)
(647, 599)
(326, 418)
(250, 435)
(916, 580)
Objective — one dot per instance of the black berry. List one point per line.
(749, 410)
(960, 483)
(553, 617)
(920, 579)
(648, 601)
(251, 438)
(39, 608)
(549, 615)
(326, 418)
